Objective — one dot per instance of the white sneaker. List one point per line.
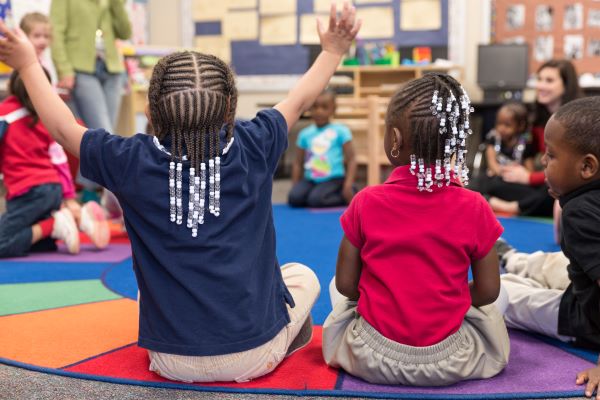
(93, 223)
(66, 230)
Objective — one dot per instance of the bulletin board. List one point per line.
(270, 36)
(553, 29)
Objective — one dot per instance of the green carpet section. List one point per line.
(26, 297)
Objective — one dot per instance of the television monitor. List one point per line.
(503, 66)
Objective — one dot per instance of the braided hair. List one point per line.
(192, 98)
(436, 109)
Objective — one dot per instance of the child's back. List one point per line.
(208, 278)
(416, 250)
(408, 314)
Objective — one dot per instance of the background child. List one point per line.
(38, 182)
(409, 316)
(542, 297)
(39, 32)
(318, 175)
(508, 144)
(214, 304)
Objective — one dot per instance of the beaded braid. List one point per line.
(437, 108)
(192, 97)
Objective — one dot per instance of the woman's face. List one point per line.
(550, 86)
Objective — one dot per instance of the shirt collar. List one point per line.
(593, 185)
(402, 175)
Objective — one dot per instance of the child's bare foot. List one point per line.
(94, 224)
(500, 205)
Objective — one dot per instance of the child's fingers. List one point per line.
(6, 31)
(332, 17)
(590, 387)
(349, 23)
(319, 27)
(345, 14)
(356, 27)
(581, 378)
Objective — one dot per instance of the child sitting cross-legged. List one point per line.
(403, 309)
(558, 294)
(319, 177)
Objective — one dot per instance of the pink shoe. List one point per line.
(66, 230)
(94, 225)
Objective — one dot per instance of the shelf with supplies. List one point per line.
(383, 80)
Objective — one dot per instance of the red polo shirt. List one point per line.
(416, 248)
(24, 158)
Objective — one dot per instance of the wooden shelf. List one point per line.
(384, 80)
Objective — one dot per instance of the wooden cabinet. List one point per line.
(383, 81)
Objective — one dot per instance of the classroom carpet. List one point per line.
(77, 316)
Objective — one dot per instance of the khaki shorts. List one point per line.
(246, 365)
(479, 349)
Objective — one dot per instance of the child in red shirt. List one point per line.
(409, 315)
(38, 182)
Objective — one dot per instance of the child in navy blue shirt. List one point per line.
(196, 197)
(319, 177)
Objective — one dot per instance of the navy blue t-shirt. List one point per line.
(221, 292)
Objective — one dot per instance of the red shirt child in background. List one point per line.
(38, 184)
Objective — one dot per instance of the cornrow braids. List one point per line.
(436, 109)
(192, 98)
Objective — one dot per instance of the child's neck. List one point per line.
(511, 141)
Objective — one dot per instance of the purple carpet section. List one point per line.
(555, 371)
(88, 253)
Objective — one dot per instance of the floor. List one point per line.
(17, 383)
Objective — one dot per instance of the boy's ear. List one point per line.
(589, 166)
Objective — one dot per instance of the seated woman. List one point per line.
(557, 84)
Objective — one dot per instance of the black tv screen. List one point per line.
(503, 66)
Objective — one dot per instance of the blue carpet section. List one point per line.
(528, 236)
(311, 238)
(121, 279)
(20, 272)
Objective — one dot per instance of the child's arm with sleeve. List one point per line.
(298, 167)
(347, 270)
(485, 285)
(17, 51)
(350, 160)
(335, 42)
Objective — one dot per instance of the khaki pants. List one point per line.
(535, 285)
(246, 365)
(479, 349)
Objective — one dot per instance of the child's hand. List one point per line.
(592, 377)
(339, 35)
(15, 49)
(74, 207)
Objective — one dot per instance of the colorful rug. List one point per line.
(77, 316)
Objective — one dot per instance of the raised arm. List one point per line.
(17, 52)
(335, 42)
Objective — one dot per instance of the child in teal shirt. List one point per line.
(319, 177)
